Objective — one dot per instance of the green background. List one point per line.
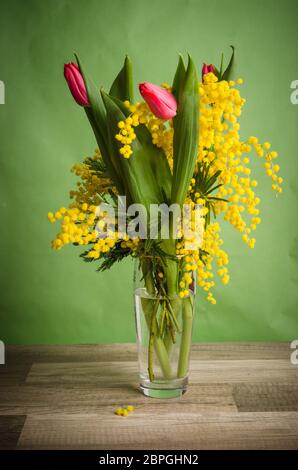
(49, 297)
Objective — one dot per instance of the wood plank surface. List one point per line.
(151, 428)
(10, 430)
(241, 396)
(121, 372)
(87, 398)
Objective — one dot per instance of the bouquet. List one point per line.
(165, 168)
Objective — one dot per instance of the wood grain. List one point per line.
(241, 396)
(10, 430)
(266, 397)
(70, 353)
(89, 398)
(116, 352)
(152, 428)
(118, 373)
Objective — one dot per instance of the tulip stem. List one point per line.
(150, 311)
(185, 338)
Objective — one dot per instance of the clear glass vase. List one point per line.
(164, 314)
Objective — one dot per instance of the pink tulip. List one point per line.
(161, 102)
(207, 69)
(76, 84)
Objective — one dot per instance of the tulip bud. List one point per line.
(160, 101)
(207, 69)
(76, 84)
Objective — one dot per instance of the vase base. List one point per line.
(162, 392)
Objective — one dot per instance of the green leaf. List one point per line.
(212, 180)
(227, 73)
(115, 255)
(186, 125)
(221, 65)
(215, 198)
(114, 115)
(213, 211)
(213, 189)
(158, 162)
(120, 105)
(157, 158)
(140, 182)
(103, 146)
(122, 86)
(97, 117)
(94, 100)
(179, 78)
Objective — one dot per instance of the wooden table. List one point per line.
(242, 396)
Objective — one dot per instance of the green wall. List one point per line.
(49, 297)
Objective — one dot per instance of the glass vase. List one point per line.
(164, 301)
